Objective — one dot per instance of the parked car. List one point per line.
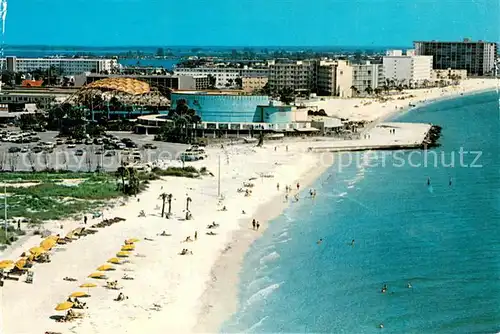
(79, 153)
(37, 149)
(110, 154)
(71, 146)
(14, 149)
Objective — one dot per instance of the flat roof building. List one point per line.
(407, 69)
(67, 66)
(225, 76)
(478, 58)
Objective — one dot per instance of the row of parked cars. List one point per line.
(19, 137)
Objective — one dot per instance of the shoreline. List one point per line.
(226, 270)
(220, 299)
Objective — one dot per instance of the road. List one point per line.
(65, 158)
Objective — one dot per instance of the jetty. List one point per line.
(386, 136)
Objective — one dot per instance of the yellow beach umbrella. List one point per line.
(88, 285)
(123, 254)
(53, 237)
(105, 267)
(21, 263)
(79, 294)
(37, 250)
(128, 248)
(6, 265)
(132, 240)
(114, 260)
(7, 262)
(97, 275)
(64, 306)
(47, 244)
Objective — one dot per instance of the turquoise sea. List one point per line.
(442, 239)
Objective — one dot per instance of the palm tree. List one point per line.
(169, 199)
(354, 90)
(122, 173)
(163, 197)
(369, 90)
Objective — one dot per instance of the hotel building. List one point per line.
(297, 75)
(406, 69)
(225, 76)
(68, 66)
(335, 78)
(253, 83)
(367, 75)
(478, 58)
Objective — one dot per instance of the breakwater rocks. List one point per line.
(432, 138)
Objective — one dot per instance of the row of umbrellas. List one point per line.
(99, 274)
(34, 252)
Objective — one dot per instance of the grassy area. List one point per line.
(50, 200)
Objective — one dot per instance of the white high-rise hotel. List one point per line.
(408, 68)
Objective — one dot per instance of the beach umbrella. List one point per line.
(5, 265)
(97, 275)
(79, 294)
(20, 263)
(64, 306)
(114, 260)
(132, 240)
(47, 244)
(123, 254)
(128, 248)
(7, 262)
(105, 267)
(37, 250)
(88, 285)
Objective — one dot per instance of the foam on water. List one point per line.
(262, 294)
(444, 242)
(269, 257)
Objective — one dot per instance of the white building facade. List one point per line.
(335, 78)
(367, 75)
(406, 69)
(68, 66)
(225, 76)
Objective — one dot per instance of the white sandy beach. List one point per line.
(169, 293)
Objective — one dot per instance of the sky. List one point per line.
(248, 22)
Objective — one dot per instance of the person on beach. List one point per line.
(287, 148)
(286, 197)
(258, 225)
(278, 186)
(195, 235)
(298, 186)
(85, 219)
(254, 224)
(296, 197)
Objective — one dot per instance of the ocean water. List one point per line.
(442, 239)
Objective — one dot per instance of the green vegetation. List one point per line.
(50, 198)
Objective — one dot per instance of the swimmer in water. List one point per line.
(319, 241)
(450, 181)
(409, 285)
(381, 326)
(352, 242)
(384, 288)
(428, 181)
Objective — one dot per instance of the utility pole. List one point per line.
(5, 208)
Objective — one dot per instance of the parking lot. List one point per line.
(63, 157)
